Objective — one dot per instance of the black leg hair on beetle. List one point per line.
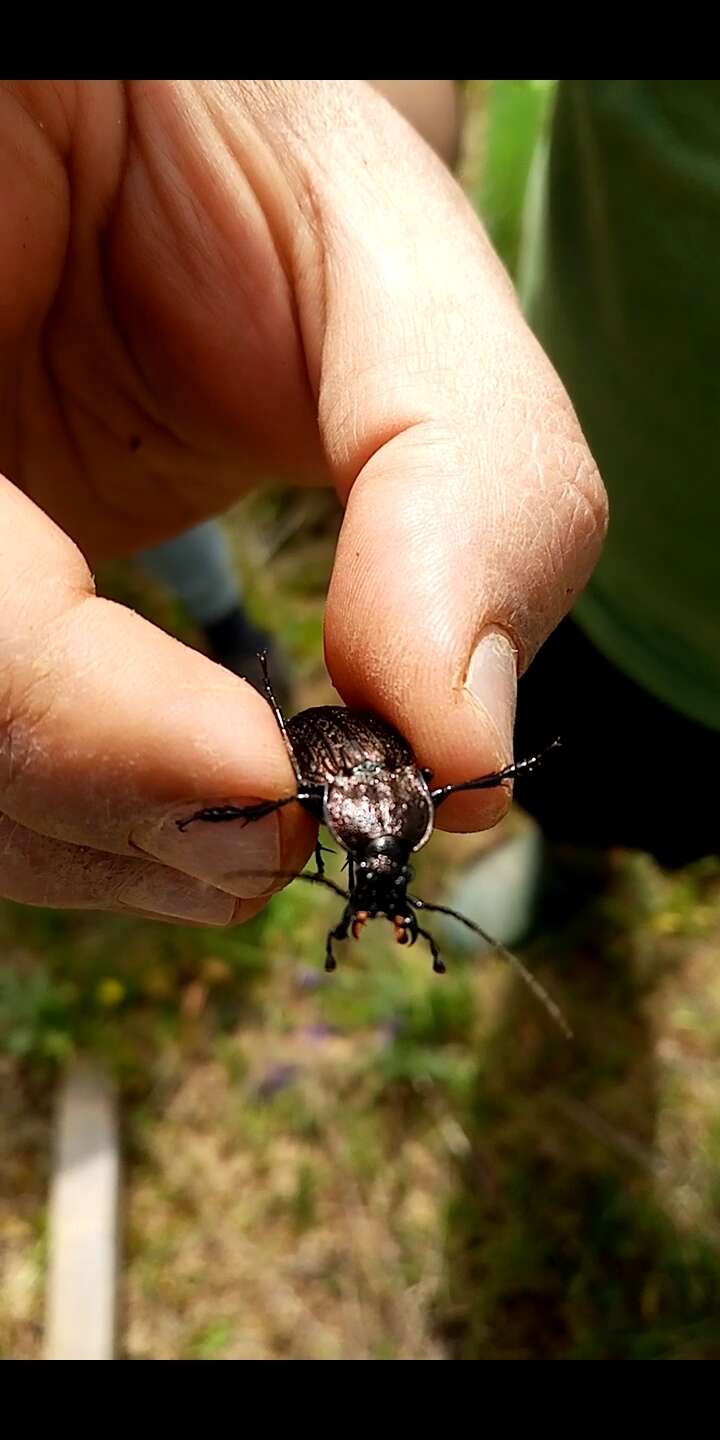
(506, 954)
(218, 814)
(321, 850)
(311, 879)
(489, 782)
(317, 879)
(339, 933)
(438, 964)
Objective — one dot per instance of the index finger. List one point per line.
(111, 730)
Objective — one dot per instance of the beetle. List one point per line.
(359, 777)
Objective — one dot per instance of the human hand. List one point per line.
(204, 284)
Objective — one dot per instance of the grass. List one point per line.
(381, 1165)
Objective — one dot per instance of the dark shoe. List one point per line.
(236, 645)
(524, 888)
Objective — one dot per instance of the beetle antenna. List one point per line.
(300, 875)
(279, 717)
(323, 880)
(517, 965)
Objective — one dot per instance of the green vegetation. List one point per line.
(381, 1165)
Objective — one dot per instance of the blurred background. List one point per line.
(376, 1165)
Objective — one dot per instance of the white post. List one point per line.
(81, 1309)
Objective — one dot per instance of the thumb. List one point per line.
(474, 510)
(453, 565)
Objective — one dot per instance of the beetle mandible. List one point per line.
(359, 777)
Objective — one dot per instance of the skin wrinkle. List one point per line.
(55, 125)
(8, 831)
(314, 271)
(36, 870)
(528, 527)
(134, 384)
(480, 308)
(28, 165)
(252, 314)
(61, 863)
(82, 423)
(341, 413)
(504, 613)
(22, 714)
(18, 746)
(300, 251)
(259, 216)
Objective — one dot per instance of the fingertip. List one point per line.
(491, 683)
(298, 837)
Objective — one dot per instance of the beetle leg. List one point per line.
(321, 850)
(214, 814)
(438, 964)
(406, 928)
(488, 782)
(339, 933)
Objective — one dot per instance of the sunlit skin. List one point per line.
(206, 285)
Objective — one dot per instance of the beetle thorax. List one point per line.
(371, 803)
(381, 874)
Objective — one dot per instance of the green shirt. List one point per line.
(621, 282)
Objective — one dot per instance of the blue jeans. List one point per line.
(198, 568)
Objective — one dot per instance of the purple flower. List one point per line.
(309, 979)
(320, 1031)
(277, 1078)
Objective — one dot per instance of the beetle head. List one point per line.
(381, 875)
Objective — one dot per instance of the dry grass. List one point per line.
(380, 1165)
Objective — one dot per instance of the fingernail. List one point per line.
(492, 682)
(230, 855)
(155, 890)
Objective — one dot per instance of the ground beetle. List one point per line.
(359, 777)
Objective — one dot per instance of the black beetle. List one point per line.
(359, 777)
